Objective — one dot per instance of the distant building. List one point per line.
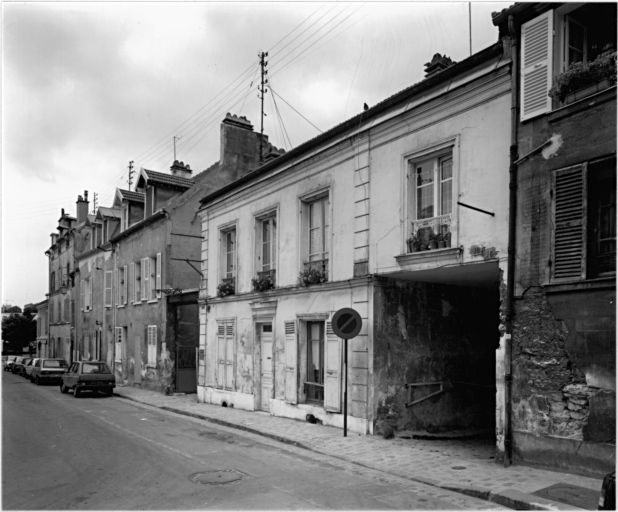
(42, 326)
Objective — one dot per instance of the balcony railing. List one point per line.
(430, 234)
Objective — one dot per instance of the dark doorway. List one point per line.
(185, 325)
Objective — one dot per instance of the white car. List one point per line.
(29, 368)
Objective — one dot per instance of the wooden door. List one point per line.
(266, 367)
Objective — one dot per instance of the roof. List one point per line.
(490, 52)
(129, 195)
(108, 212)
(166, 179)
(522, 11)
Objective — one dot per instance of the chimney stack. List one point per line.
(437, 64)
(82, 208)
(180, 169)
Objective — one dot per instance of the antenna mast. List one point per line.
(175, 138)
(262, 90)
(94, 202)
(131, 171)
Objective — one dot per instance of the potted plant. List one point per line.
(440, 241)
(311, 276)
(585, 78)
(261, 283)
(413, 244)
(226, 287)
(447, 239)
(433, 241)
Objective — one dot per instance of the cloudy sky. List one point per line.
(89, 86)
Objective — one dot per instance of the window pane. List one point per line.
(446, 193)
(424, 202)
(446, 168)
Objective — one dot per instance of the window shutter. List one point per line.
(118, 286)
(536, 65)
(569, 209)
(145, 276)
(125, 285)
(82, 294)
(332, 365)
(108, 287)
(291, 358)
(152, 345)
(229, 355)
(221, 355)
(158, 280)
(132, 278)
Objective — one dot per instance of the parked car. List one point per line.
(48, 370)
(92, 376)
(607, 500)
(8, 362)
(16, 364)
(19, 368)
(29, 368)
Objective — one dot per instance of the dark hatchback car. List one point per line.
(48, 370)
(92, 376)
(19, 366)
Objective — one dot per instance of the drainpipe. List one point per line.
(510, 278)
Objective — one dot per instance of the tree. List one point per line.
(7, 308)
(18, 331)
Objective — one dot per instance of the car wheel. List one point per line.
(109, 392)
(76, 392)
(37, 381)
(63, 388)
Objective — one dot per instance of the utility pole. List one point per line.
(174, 138)
(94, 203)
(131, 171)
(262, 90)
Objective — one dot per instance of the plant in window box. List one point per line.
(413, 243)
(311, 276)
(447, 239)
(227, 287)
(580, 76)
(433, 241)
(261, 283)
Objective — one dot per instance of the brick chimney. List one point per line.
(82, 208)
(437, 64)
(54, 238)
(180, 169)
(240, 145)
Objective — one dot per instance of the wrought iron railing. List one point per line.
(429, 234)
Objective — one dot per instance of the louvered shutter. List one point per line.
(145, 275)
(229, 355)
(125, 285)
(119, 340)
(221, 355)
(132, 279)
(291, 362)
(108, 288)
(82, 295)
(536, 65)
(569, 211)
(332, 377)
(158, 278)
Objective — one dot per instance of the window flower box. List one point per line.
(227, 287)
(581, 79)
(314, 272)
(264, 281)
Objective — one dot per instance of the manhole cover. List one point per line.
(221, 476)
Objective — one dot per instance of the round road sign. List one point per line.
(346, 323)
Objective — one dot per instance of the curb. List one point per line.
(512, 499)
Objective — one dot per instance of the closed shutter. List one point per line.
(119, 335)
(145, 275)
(152, 345)
(132, 278)
(291, 362)
(332, 377)
(108, 288)
(569, 211)
(221, 355)
(225, 354)
(82, 294)
(125, 285)
(158, 279)
(536, 65)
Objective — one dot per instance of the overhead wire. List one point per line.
(301, 115)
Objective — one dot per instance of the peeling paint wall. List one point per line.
(427, 333)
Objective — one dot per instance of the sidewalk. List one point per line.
(467, 467)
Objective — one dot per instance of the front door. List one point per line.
(266, 372)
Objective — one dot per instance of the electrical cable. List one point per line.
(301, 115)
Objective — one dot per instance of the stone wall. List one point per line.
(435, 333)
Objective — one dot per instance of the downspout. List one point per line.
(510, 278)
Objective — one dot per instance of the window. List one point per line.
(314, 385)
(431, 199)
(228, 256)
(584, 221)
(225, 354)
(122, 286)
(266, 256)
(120, 337)
(136, 270)
(151, 336)
(316, 233)
(145, 281)
(154, 279)
(86, 294)
(588, 32)
(108, 289)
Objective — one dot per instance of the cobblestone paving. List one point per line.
(462, 465)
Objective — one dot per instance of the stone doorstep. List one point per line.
(510, 498)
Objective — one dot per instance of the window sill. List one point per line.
(582, 104)
(137, 303)
(600, 283)
(152, 301)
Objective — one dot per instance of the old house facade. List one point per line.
(42, 329)
(399, 213)
(563, 171)
(61, 297)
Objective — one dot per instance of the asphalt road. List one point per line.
(66, 453)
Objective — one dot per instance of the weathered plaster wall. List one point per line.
(430, 332)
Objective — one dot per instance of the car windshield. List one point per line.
(95, 368)
(54, 363)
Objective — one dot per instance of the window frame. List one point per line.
(307, 257)
(270, 217)
(225, 274)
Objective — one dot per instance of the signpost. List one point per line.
(346, 324)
